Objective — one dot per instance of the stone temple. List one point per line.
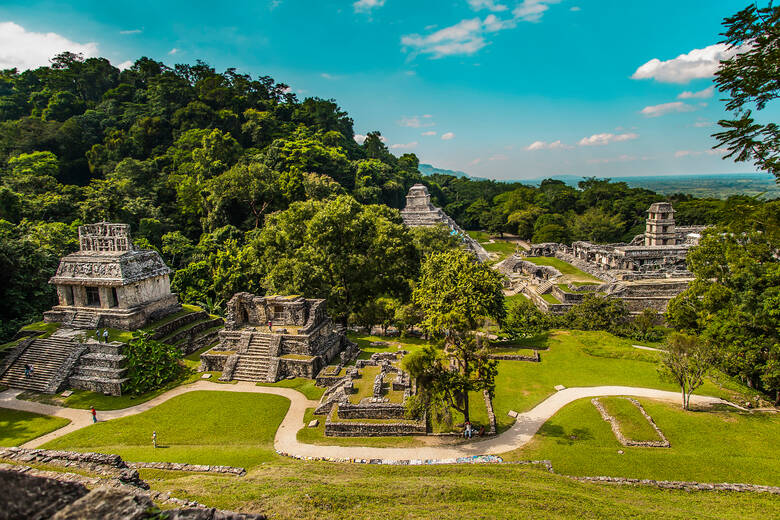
(645, 273)
(300, 341)
(109, 283)
(419, 211)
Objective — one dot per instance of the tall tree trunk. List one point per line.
(466, 415)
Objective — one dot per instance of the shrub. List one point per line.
(151, 364)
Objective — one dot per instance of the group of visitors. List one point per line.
(468, 430)
(98, 335)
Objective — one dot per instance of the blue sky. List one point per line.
(507, 89)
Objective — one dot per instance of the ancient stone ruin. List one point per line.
(109, 283)
(419, 211)
(268, 338)
(645, 273)
(381, 412)
(106, 284)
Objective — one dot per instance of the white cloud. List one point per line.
(24, 50)
(417, 121)
(604, 139)
(694, 153)
(367, 5)
(699, 63)
(490, 5)
(475, 162)
(543, 145)
(131, 31)
(575, 9)
(173, 51)
(429, 132)
(666, 108)
(360, 138)
(701, 94)
(468, 36)
(447, 136)
(465, 37)
(125, 65)
(325, 75)
(403, 146)
(532, 10)
(702, 124)
(498, 157)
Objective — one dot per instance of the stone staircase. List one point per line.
(84, 320)
(52, 359)
(253, 364)
(544, 287)
(101, 369)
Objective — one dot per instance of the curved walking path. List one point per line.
(526, 426)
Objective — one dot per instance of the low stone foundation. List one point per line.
(517, 357)
(663, 443)
(195, 468)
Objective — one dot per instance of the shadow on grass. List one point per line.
(562, 437)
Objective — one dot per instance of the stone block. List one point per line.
(560, 387)
(314, 423)
(67, 393)
(512, 413)
(205, 376)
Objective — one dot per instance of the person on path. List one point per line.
(28, 370)
(105, 336)
(94, 415)
(468, 433)
(97, 334)
(154, 438)
(270, 325)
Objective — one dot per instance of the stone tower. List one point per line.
(660, 225)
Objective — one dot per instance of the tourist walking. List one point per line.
(28, 370)
(270, 325)
(154, 438)
(94, 415)
(105, 336)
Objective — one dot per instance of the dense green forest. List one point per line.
(242, 186)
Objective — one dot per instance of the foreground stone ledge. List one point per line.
(195, 468)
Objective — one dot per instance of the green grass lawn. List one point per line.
(303, 385)
(580, 358)
(17, 427)
(633, 425)
(300, 490)
(563, 267)
(724, 445)
(364, 386)
(235, 429)
(549, 298)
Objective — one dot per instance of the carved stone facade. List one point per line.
(419, 211)
(109, 283)
(268, 338)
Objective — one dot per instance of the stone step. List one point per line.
(99, 372)
(46, 356)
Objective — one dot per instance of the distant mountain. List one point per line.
(429, 169)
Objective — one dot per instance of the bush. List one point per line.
(151, 364)
(524, 319)
(596, 313)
